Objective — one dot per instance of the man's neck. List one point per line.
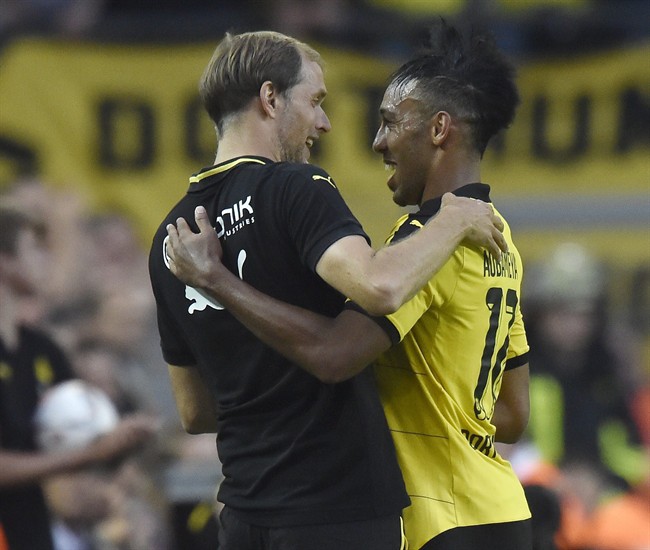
(246, 138)
(452, 173)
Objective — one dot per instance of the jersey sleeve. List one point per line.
(434, 294)
(518, 346)
(316, 213)
(175, 350)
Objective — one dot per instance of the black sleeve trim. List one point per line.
(178, 359)
(517, 362)
(384, 323)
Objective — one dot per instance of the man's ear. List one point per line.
(268, 98)
(440, 126)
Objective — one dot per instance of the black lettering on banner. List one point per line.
(126, 134)
(541, 147)
(199, 148)
(634, 124)
(373, 97)
(20, 158)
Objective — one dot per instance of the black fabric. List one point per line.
(377, 534)
(25, 373)
(515, 535)
(428, 209)
(294, 450)
(517, 362)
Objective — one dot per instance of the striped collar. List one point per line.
(225, 166)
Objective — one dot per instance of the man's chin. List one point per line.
(394, 190)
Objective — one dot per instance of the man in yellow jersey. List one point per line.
(456, 377)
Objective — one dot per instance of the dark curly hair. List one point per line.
(466, 76)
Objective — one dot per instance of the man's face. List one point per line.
(403, 140)
(302, 117)
(25, 271)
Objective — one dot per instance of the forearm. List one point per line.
(24, 468)
(381, 281)
(325, 347)
(330, 349)
(405, 267)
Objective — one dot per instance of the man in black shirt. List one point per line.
(306, 465)
(30, 363)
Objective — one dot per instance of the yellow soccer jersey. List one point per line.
(439, 386)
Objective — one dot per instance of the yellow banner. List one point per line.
(124, 124)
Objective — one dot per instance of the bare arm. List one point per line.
(330, 349)
(195, 404)
(23, 468)
(381, 281)
(512, 409)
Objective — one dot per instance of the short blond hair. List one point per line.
(241, 63)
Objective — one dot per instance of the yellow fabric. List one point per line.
(427, 384)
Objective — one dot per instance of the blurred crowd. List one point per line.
(584, 459)
(98, 307)
(382, 27)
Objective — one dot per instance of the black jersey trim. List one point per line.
(517, 362)
(383, 322)
(429, 208)
(196, 178)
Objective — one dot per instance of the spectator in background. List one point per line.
(96, 304)
(30, 363)
(585, 376)
(110, 508)
(97, 289)
(584, 442)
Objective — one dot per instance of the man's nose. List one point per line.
(324, 122)
(379, 143)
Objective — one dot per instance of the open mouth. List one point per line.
(389, 166)
(310, 142)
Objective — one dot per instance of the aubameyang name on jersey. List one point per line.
(234, 218)
(482, 443)
(505, 267)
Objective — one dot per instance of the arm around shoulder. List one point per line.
(381, 281)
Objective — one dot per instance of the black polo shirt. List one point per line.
(294, 450)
